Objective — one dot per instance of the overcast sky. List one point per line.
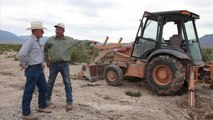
(95, 19)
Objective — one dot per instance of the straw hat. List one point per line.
(36, 25)
(60, 25)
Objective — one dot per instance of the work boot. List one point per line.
(48, 102)
(44, 110)
(29, 117)
(68, 107)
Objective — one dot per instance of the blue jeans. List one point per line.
(63, 68)
(34, 76)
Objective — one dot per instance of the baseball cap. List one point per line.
(60, 25)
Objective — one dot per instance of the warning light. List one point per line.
(185, 12)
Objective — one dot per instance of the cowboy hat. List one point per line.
(60, 25)
(36, 25)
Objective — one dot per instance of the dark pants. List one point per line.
(63, 68)
(34, 76)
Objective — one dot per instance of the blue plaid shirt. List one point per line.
(31, 52)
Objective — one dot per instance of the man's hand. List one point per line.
(48, 63)
(22, 68)
(43, 66)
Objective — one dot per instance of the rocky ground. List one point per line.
(99, 101)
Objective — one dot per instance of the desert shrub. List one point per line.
(83, 52)
(133, 94)
(207, 54)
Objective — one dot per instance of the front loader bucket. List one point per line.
(93, 72)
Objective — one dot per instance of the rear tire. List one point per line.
(113, 75)
(165, 75)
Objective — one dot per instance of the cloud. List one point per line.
(198, 3)
(92, 3)
(95, 19)
(90, 8)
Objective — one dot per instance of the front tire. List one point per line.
(113, 75)
(165, 75)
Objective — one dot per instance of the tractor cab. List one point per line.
(171, 32)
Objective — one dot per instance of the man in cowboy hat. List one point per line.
(31, 58)
(57, 53)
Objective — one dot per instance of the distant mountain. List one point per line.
(206, 41)
(11, 38)
(8, 37)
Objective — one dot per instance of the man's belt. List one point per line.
(37, 65)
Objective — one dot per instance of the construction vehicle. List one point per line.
(166, 62)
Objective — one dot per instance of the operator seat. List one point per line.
(176, 40)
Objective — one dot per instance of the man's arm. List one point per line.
(46, 54)
(46, 47)
(22, 54)
(76, 42)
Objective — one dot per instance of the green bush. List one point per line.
(133, 94)
(83, 52)
(207, 54)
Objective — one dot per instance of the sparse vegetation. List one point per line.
(9, 47)
(207, 54)
(13, 56)
(133, 94)
(82, 52)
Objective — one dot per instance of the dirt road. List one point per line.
(99, 101)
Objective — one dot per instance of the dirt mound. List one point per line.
(203, 109)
